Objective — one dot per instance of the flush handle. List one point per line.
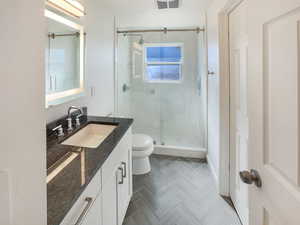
(251, 177)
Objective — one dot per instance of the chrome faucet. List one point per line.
(69, 119)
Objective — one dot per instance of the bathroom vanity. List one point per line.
(89, 184)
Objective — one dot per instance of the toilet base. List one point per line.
(141, 165)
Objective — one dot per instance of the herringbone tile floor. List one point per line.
(177, 192)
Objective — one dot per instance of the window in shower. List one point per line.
(163, 62)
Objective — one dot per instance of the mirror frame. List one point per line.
(68, 95)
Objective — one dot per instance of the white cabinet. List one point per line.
(105, 200)
(117, 183)
(123, 187)
(109, 200)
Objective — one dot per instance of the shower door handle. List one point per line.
(125, 87)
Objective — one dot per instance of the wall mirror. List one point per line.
(64, 59)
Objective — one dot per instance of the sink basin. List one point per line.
(90, 136)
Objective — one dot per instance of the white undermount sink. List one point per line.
(90, 136)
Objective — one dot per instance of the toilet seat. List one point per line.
(141, 142)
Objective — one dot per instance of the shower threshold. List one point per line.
(180, 151)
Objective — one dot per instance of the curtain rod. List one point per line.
(165, 30)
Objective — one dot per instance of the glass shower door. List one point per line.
(181, 102)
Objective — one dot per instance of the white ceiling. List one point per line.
(146, 5)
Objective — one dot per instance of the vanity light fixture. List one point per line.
(71, 7)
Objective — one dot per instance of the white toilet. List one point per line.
(142, 148)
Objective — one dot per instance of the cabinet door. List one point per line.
(109, 200)
(124, 185)
(94, 215)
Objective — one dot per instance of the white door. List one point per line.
(274, 107)
(238, 42)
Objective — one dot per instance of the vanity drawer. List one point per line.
(85, 202)
(116, 156)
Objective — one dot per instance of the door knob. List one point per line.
(251, 177)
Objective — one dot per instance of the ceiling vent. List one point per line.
(168, 4)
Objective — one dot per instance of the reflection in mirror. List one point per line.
(137, 64)
(64, 59)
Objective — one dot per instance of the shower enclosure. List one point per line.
(160, 82)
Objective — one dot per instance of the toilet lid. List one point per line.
(141, 142)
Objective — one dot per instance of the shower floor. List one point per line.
(178, 191)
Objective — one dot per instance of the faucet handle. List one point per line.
(70, 127)
(60, 130)
(78, 119)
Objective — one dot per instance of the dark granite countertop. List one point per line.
(64, 189)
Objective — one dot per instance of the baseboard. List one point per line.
(213, 170)
(180, 151)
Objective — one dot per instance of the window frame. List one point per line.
(146, 63)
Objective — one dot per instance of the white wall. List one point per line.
(214, 85)
(100, 57)
(22, 115)
(162, 18)
(145, 13)
(99, 26)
